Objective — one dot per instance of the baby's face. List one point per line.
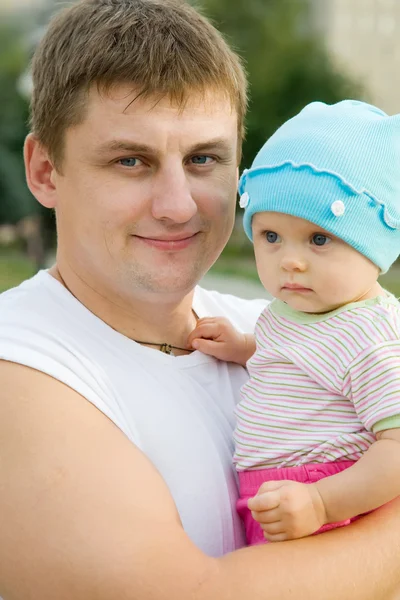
(307, 267)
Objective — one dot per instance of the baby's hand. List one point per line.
(217, 336)
(287, 510)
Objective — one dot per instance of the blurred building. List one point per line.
(363, 37)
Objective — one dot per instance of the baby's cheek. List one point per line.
(334, 282)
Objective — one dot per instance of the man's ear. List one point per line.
(40, 172)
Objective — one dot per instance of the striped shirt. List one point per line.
(321, 386)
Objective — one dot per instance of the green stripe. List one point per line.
(348, 332)
(373, 351)
(311, 338)
(312, 368)
(363, 391)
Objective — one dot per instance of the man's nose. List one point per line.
(172, 198)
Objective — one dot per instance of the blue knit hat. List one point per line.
(337, 166)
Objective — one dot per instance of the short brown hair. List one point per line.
(160, 46)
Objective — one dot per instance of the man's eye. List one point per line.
(272, 237)
(320, 240)
(201, 159)
(129, 162)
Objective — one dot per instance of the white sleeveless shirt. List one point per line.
(177, 410)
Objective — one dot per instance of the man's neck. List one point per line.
(142, 320)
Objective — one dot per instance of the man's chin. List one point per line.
(174, 283)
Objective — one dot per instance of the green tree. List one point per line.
(286, 62)
(15, 200)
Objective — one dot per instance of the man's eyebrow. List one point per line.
(113, 146)
(218, 144)
(124, 146)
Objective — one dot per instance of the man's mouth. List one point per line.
(169, 242)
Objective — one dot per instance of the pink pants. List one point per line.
(250, 482)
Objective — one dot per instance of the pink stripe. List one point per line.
(338, 330)
(367, 325)
(296, 406)
(369, 399)
(386, 384)
(343, 360)
(274, 411)
(371, 359)
(286, 391)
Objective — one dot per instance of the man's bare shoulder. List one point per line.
(38, 410)
(20, 384)
(74, 489)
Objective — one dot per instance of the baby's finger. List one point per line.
(206, 320)
(210, 347)
(279, 537)
(274, 528)
(265, 501)
(204, 330)
(271, 486)
(267, 516)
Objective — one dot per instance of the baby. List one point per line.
(318, 425)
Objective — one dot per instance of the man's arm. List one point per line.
(84, 515)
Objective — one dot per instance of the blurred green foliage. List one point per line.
(16, 201)
(14, 268)
(286, 61)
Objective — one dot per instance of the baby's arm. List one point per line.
(289, 510)
(217, 336)
(368, 484)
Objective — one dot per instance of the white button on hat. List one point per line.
(244, 200)
(338, 208)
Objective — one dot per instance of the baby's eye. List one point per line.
(130, 162)
(319, 239)
(272, 237)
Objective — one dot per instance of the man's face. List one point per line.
(146, 198)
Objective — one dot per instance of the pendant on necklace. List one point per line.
(167, 349)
